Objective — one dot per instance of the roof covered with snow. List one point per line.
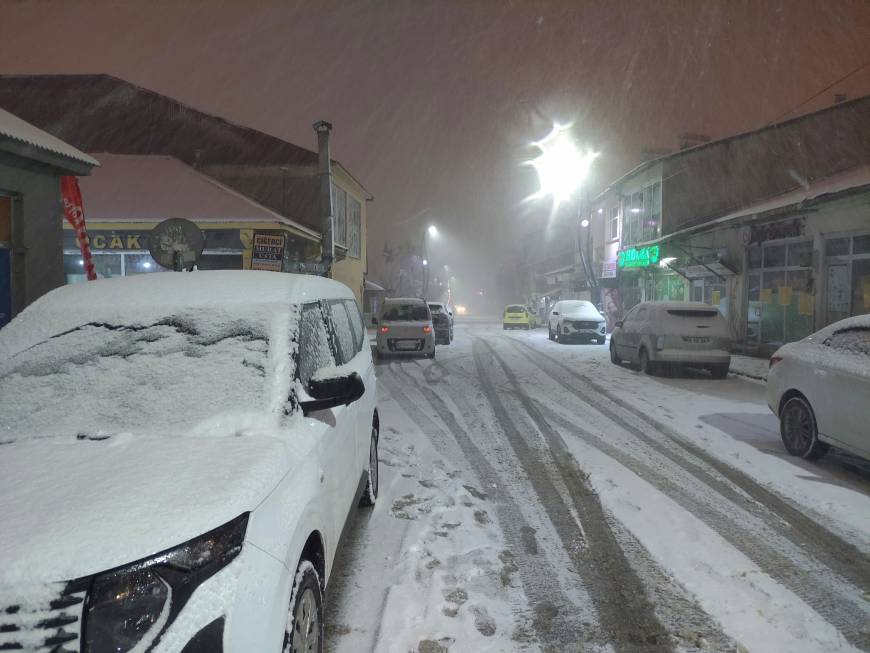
(153, 188)
(15, 128)
(143, 299)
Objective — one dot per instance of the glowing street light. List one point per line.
(433, 230)
(425, 261)
(561, 166)
(584, 223)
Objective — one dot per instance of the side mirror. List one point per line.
(374, 321)
(618, 324)
(329, 389)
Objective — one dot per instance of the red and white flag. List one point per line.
(71, 196)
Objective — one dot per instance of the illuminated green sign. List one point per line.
(638, 257)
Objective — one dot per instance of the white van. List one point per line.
(678, 333)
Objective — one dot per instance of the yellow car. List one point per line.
(517, 316)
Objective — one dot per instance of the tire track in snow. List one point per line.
(626, 616)
(780, 552)
(537, 576)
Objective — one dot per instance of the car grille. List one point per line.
(585, 325)
(45, 619)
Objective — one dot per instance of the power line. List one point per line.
(824, 90)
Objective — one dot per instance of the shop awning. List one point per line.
(712, 269)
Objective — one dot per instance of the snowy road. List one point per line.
(536, 497)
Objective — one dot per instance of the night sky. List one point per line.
(434, 103)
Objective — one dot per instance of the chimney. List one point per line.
(324, 165)
(840, 97)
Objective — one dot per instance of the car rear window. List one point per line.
(515, 309)
(406, 313)
(693, 312)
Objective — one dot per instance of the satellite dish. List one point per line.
(176, 244)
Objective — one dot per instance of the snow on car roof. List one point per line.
(147, 297)
(404, 300)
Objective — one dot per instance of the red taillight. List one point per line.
(773, 361)
(385, 329)
(427, 329)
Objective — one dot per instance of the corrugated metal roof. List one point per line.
(13, 127)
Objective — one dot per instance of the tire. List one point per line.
(645, 365)
(528, 327)
(432, 355)
(719, 371)
(504, 326)
(798, 430)
(305, 619)
(601, 341)
(614, 357)
(370, 494)
(550, 332)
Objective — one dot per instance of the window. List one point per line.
(800, 254)
(354, 213)
(837, 247)
(343, 330)
(315, 351)
(340, 208)
(407, 313)
(356, 323)
(774, 256)
(613, 233)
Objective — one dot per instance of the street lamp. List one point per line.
(432, 232)
(561, 166)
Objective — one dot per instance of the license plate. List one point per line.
(408, 344)
(697, 340)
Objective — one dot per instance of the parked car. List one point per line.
(405, 328)
(577, 320)
(819, 388)
(178, 456)
(442, 322)
(517, 316)
(691, 334)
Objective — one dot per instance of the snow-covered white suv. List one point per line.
(178, 456)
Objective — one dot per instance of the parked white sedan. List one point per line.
(673, 333)
(819, 388)
(178, 456)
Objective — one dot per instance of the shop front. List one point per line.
(124, 251)
(847, 272)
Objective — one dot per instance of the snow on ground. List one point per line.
(427, 569)
(737, 545)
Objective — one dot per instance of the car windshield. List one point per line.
(406, 313)
(577, 306)
(436, 308)
(104, 379)
(693, 312)
(515, 309)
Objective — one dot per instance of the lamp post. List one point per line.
(430, 232)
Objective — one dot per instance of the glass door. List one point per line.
(838, 292)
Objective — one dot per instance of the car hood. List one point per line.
(583, 314)
(73, 508)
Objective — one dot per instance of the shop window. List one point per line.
(140, 264)
(220, 262)
(837, 247)
(861, 245)
(800, 254)
(774, 256)
(860, 286)
(754, 252)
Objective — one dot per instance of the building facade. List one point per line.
(271, 172)
(31, 215)
(768, 226)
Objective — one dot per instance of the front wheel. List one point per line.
(614, 358)
(798, 430)
(304, 632)
(719, 370)
(370, 494)
(550, 332)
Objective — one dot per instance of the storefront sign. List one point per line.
(776, 230)
(608, 269)
(638, 257)
(268, 252)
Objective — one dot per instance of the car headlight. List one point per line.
(131, 606)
